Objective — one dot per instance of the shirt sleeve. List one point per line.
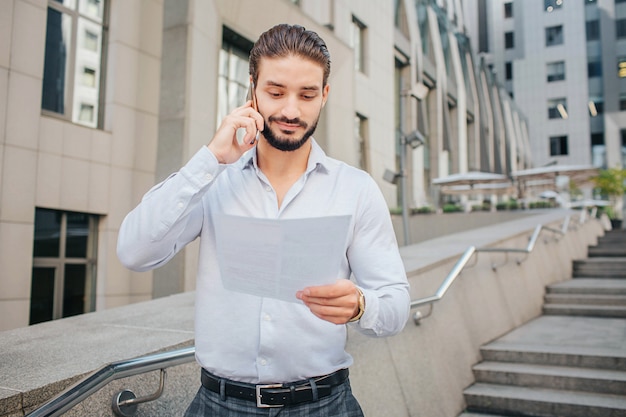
(169, 216)
(378, 268)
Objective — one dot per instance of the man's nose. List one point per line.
(291, 110)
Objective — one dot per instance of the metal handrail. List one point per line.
(116, 370)
(458, 267)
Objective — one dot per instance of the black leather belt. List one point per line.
(276, 395)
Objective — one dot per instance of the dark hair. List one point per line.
(284, 40)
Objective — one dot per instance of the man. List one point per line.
(257, 351)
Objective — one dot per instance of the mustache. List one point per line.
(295, 121)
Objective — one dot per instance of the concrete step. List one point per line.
(543, 402)
(596, 286)
(607, 250)
(586, 299)
(553, 357)
(556, 356)
(600, 267)
(584, 310)
(554, 377)
(470, 414)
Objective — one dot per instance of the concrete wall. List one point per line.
(420, 372)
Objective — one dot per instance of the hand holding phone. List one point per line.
(238, 132)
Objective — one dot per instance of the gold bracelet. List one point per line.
(361, 307)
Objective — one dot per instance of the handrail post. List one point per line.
(116, 370)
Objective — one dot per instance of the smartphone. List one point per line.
(252, 96)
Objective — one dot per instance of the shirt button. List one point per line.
(267, 317)
(180, 205)
(268, 189)
(208, 177)
(263, 362)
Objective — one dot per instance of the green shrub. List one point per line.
(422, 210)
(452, 208)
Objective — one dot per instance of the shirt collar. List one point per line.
(317, 158)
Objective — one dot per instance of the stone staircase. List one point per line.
(570, 362)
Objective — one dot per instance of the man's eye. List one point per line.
(308, 97)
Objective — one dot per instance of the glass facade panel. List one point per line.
(555, 71)
(74, 42)
(56, 61)
(42, 295)
(594, 67)
(620, 28)
(77, 233)
(508, 10)
(422, 20)
(47, 233)
(357, 41)
(554, 35)
(360, 133)
(509, 40)
(74, 290)
(557, 108)
(592, 30)
(233, 79)
(94, 9)
(63, 279)
(558, 145)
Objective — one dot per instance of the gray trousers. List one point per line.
(340, 403)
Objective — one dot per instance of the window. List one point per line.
(557, 108)
(554, 35)
(594, 67)
(592, 29)
(508, 70)
(555, 71)
(558, 145)
(551, 5)
(508, 10)
(89, 77)
(75, 36)
(64, 265)
(358, 44)
(509, 40)
(86, 113)
(360, 133)
(598, 150)
(620, 1)
(233, 76)
(620, 28)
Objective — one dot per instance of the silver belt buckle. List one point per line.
(259, 397)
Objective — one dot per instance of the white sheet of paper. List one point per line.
(276, 258)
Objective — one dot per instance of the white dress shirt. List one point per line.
(264, 340)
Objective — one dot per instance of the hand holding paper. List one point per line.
(277, 258)
(337, 302)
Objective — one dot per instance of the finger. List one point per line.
(337, 315)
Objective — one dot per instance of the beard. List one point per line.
(285, 143)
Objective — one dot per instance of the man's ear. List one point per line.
(325, 92)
